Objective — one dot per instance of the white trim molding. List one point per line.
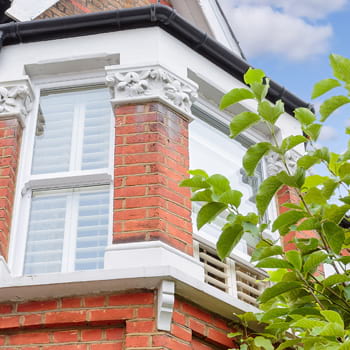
(5, 275)
(165, 305)
(151, 254)
(16, 100)
(130, 85)
(26, 10)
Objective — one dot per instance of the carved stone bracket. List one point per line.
(166, 299)
(274, 163)
(16, 100)
(152, 83)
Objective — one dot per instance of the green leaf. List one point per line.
(263, 343)
(229, 238)
(274, 313)
(266, 191)
(219, 183)
(304, 115)
(307, 161)
(335, 279)
(314, 260)
(305, 311)
(345, 200)
(271, 112)
(344, 170)
(253, 156)
(297, 180)
(234, 335)
(308, 323)
(335, 236)
(331, 104)
(324, 86)
(209, 212)
(265, 252)
(253, 76)
(232, 197)
(292, 141)
(341, 67)
(332, 316)
(345, 346)
(195, 182)
(202, 196)
(260, 89)
(335, 213)
(288, 218)
(294, 258)
(333, 163)
(314, 196)
(274, 263)
(332, 330)
(313, 131)
(307, 245)
(314, 181)
(309, 224)
(288, 344)
(344, 259)
(234, 96)
(329, 187)
(278, 289)
(198, 172)
(241, 122)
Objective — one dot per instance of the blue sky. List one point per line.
(291, 40)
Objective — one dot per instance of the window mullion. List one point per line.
(68, 233)
(78, 139)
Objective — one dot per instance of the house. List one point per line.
(97, 246)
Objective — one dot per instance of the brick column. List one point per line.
(151, 156)
(15, 104)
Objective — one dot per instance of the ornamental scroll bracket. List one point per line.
(165, 305)
(16, 100)
(274, 163)
(130, 85)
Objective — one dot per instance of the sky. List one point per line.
(291, 41)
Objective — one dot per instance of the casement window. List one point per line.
(66, 195)
(212, 150)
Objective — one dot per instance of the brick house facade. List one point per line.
(161, 285)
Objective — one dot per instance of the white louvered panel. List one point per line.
(92, 229)
(97, 128)
(45, 233)
(216, 271)
(52, 147)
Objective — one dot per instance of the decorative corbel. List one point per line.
(166, 299)
(130, 85)
(274, 163)
(16, 100)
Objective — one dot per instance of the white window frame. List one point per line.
(252, 135)
(27, 183)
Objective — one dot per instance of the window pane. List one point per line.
(85, 114)
(53, 147)
(45, 233)
(92, 229)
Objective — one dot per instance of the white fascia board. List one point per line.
(26, 10)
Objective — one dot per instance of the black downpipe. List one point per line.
(140, 17)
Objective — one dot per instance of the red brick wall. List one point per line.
(10, 141)
(107, 322)
(151, 158)
(76, 7)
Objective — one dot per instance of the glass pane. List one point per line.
(97, 128)
(45, 233)
(92, 229)
(52, 147)
(86, 113)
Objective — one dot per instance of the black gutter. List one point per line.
(141, 17)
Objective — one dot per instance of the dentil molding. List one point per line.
(16, 100)
(130, 85)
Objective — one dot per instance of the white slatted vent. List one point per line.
(232, 277)
(216, 271)
(249, 284)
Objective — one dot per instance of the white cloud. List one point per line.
(263, 30)
(328, 133)
(313, 9)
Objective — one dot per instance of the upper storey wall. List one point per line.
(77, 7)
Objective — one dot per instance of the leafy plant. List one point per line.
(302, 309)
